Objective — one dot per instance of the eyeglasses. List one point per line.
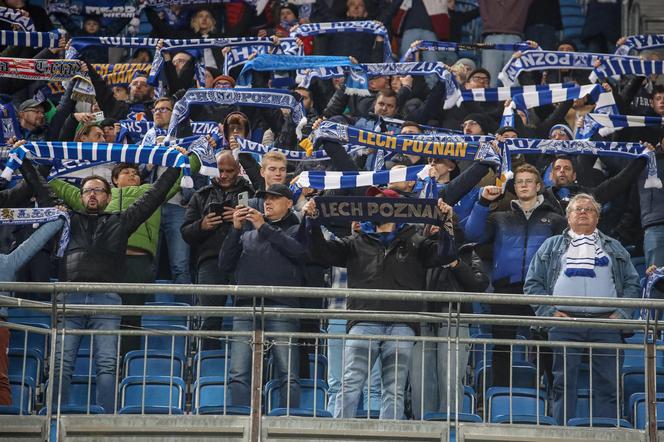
(161, 110)
(95, 190)
(524, 181)
(584, 209)
(479, 79)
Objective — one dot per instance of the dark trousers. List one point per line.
(137, 269)
(208, 273)
(5, 389)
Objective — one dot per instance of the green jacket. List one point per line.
(147, 235)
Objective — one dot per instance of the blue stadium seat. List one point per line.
(154, 321)
(525, 419)
(22, 396)
(524, 375)
(636, 357)
(443, 417)
(30, 360)
(36, 341)
(28, 316)
(166, 341)
(82, 397)
(477, 351)
(211, 363)
(633, 381)
(157, 363)
(638, 407)
(524, 402)
(150, 395)
(467, 407)
(82, 363)
(573, 19)
(313, 394)
(210, 398)
(601, 422)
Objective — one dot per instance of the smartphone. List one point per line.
(243, 199)
(99, 116)
(218, 208)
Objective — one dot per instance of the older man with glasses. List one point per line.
(583, 262)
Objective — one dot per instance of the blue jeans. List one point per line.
(605, 395)
(360, 355)
(335, 350)
(493, 61)
(239, 383)
(653, 245)
(430, 369)
(172, 217)
(104, 348)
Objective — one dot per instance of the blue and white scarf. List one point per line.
(100, 153)
(29, 39)
(249, 146)
(452, 91)
(640, 42)
(653, 278)
(329, 180)
(528, 100)
(378, 210)
(619, 121)
(38, 215)
(606, 105)
(583, 254)
(270, 98)
(365, 26)
(118, 11)
(138, 129)
(450, 46)
(16, 17)
(580, 147)
(627, 66)
(240, 53)
(9, 125)
(357, 82)
(259, 5)
(538, 60)
(491, 94)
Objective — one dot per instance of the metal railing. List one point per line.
(186, 395)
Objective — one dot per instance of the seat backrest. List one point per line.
(156, 363)
(22, 393)
(212, 363)
(166, 342)
(82, 390)
(469, 400)
(638, 402)
(82, 364)
(633, 381)
(155, 391)
(211, 392)
(523, 402)
(19, 359)
(310, 392)
(36, 341)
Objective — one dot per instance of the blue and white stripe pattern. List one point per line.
(16, 17)
(100, 152)
(528, 100)
(38, 215)
(29, 39)
(491, 94)
(583, 254)
(653, 277)
(449, 46)
(249, 146)
(606, 105)
(324, 180)
(619, 121)
(640, 42)
(625, 66)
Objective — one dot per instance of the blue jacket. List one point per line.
(546, 265)
(268, 256)
(515, 238)
(651, 200)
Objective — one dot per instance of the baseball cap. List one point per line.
(276, 190)
(29, 104)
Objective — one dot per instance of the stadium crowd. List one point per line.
(562, 225)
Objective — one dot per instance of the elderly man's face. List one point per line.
(582, 217)
(276, 207)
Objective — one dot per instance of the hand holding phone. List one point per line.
(243, 199)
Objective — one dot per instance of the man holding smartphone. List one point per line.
(208, 219)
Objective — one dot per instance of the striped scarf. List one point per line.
(538, 60)
(627, 66)
(252, 147)
(328, 180)
(606, 105)
(270, 98)
(615, 121)
(528, 100)
(38, 215)
(16, 17)
(583, 254)
(364, 26)
(450, 46)
(29, 39)
(640, 42)
(47, 70)
(100, 153)
(505, 93)
(655, 276)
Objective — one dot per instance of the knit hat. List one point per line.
(481, 119)
(227, 78)
(565, 128)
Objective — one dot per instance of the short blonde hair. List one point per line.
(273, 156)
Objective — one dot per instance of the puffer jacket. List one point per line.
(268, 256)
(206, 244)
(515, 238)
(402, 265)
(98, 242)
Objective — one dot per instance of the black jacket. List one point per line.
(98, 242)
(400, 266)
(206, 244)
(268, 256)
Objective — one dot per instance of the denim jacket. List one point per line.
(546, 266)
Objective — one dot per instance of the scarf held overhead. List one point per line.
(450, 46)
(640, 42)
(38, 215)
(49, 70)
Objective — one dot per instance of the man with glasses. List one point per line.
(583, 262)
(516, 235)
(97, 252)
(32, 120)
